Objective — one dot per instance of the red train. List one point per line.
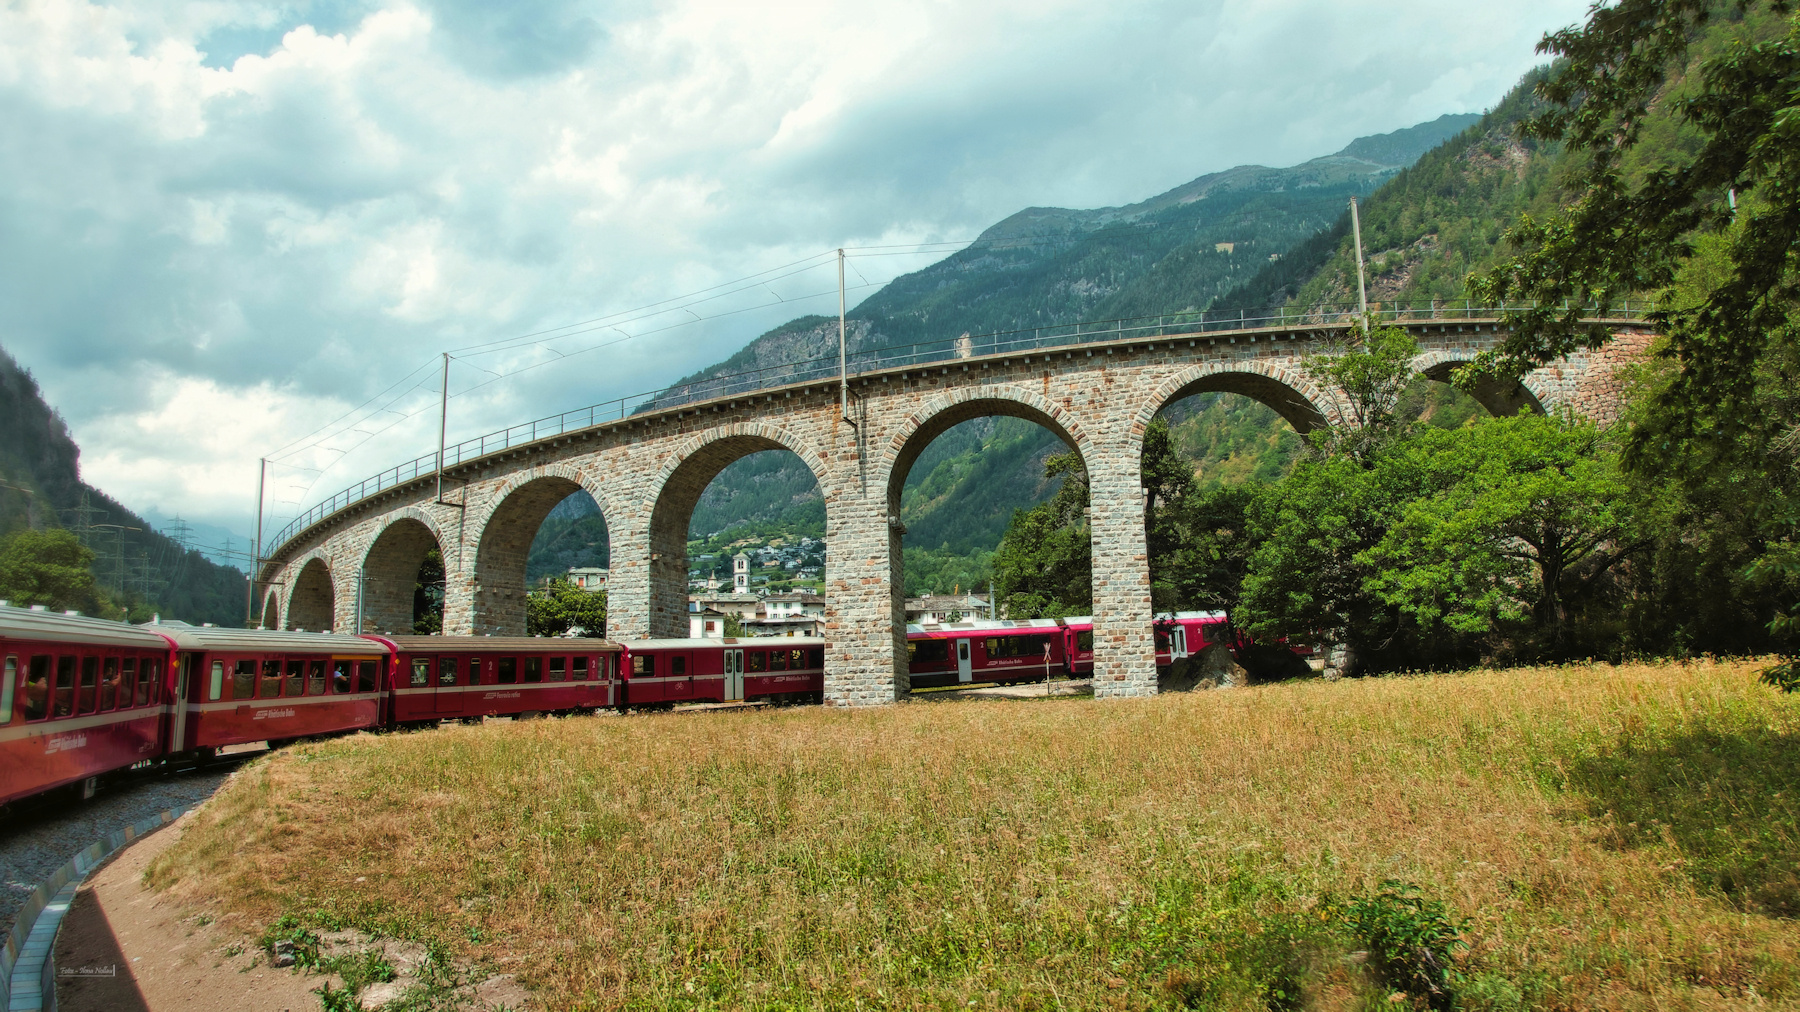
(83, 697)
(964, 653)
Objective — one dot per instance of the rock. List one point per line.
(377, 995)
(282, 954)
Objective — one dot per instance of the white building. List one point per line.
(588, 578)
(934, 610)
(740, 573)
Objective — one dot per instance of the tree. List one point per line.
(734, 625)
(1513, 521)
(562, 606)
(428, 596)
(1681, 118)
(1044, 566)
(50, 568)
(1372, 368)
(1728, 168)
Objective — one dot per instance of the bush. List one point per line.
(1411, 941)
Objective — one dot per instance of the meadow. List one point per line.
(1574, 837)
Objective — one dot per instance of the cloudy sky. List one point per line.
(224, 225)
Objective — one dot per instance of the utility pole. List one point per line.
(1362, 286)
(843, 376)
(443, 420)
(262, 468)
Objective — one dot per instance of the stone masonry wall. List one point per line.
(647, 473)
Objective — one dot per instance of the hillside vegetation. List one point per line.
(1555, 838)
(136, 569)
(1039, 267)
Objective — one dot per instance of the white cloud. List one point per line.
(222, 221)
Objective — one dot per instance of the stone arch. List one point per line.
(1302, 403)
(939, 412)
(271, 612)
(1499, 396)
(390, 568)
(312, 599)
(933, 417)
(503, 540)
(676, 491)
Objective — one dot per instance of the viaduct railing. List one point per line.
(966, 346)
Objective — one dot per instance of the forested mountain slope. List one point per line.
(137, 568)
(1039, 267)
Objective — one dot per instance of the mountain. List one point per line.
(1183, 249)
(140, 569)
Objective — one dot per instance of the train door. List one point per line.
(449, 695)
(965, 669)
(1178, 642)
(734, 675)
(184, 679)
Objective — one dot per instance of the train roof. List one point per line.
(199, 637)
(730, 641)
(32, 624)
(984, 625)
(478, 644)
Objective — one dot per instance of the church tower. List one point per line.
(740, 574)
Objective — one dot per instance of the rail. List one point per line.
(950, 349)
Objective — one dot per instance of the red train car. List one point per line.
(82, 697)
(965, 653)
(439, 677)
(778, 669)
(244, 685)
(1179, 635)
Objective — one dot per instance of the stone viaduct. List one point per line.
(647, 471)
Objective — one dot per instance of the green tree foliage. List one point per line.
(1637, 80)
(51, 568)
(1044, 566)
(1509, 525)
(562, 606)
(428, 596)
(1683, 114)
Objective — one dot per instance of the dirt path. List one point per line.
(123, 948)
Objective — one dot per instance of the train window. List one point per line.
(90, 682)
(534, 669)
(270, 688)
(37, 687)
(296, 678)
(421, 672)
(678, 665)
(643, 664)
(218, 680)
(778, 660)
(580, 671)
(1084, 641)
(506, 670)
(929, 651)
(109, 684)
(315, 678)
(796, 660)
(127, 681)
(1162, 640)
(557, 669)
(446, 671)
(816, 657)
(365, 676)
(147, 681)
(1015, 646)
(6, 690)
(340, 676)
(755, 660)
(65, 687)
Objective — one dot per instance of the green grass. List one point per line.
(1576, 837)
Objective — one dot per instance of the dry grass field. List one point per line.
(1602, 837)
